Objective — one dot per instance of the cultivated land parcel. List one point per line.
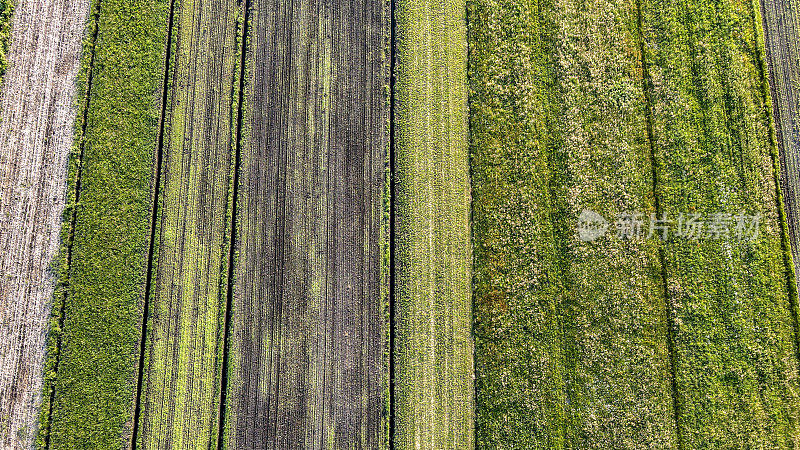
(267, 212)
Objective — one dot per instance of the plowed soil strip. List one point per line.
(433, 362)
(37, 111)
(307, 356)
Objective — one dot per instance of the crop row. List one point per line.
(433, 351)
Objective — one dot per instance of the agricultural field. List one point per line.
(39, 67)
(96, 330)
(236, 224)
(732, 304)
(178, 400)
(686, 344)
(570, 335)
(308, 356)
(433, 352)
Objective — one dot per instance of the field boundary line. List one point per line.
(668, 306)
(153, 222)
(223, 404)
(95, 23)
(392, 216)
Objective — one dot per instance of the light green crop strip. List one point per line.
(433, 343)
(180, 397)
(571, 337)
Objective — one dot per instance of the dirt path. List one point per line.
(36, 137)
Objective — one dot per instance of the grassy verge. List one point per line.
(112, 166)
(433, 308)
(734, 329)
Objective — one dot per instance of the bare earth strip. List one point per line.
(308, 321)
(36, 137)
(180, 395)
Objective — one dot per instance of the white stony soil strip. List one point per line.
(37, 111)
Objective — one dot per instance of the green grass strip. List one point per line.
(6, 13)
(433, 343)
(96, 380)
(520, 392)
(571, 337)
(735, 350)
